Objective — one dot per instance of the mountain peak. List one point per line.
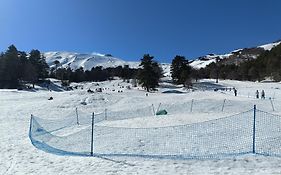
(87, 61)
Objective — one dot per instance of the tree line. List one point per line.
(18, 68)
(95, 74)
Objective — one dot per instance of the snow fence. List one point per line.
(253, 131)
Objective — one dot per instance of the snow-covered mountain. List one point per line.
(88, 61)
(234, 57)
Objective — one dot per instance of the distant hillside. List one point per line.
(235, 57)
(254, 64)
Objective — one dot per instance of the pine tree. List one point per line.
(9, 70)
(149, 73)
(180, 70)
(125, 72)
(39, 63)
(79, 75)
(23, 63)
(30, 74)
(56, 62)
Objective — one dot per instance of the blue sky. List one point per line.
(130, 28)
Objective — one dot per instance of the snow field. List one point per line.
(19, 156)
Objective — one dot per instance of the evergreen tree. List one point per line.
(253, 73)
(79, 75)
(39, 63)
(125, 72)
(30, 74)
(99, 74)
(149, 73)
(180, 70)
(56, 62)
(9, 70)
(23, 64)
(61, 74)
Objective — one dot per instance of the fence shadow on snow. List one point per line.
(253, 131)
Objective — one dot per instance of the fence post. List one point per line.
(92, 136)
(30, 125)
(153, 110)
(105, 114)
(271, 104)
(191, 106)
(158, 107)
(77, 117)
(254, 131)
(223, 105)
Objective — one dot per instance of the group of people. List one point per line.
(262, 94)
(257, 93)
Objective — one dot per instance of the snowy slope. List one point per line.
(198, 64)
(202, 62)
(19, 156)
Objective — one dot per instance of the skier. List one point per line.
(262, 94)
(257, 94)
(235, 91)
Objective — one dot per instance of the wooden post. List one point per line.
(153, 110)
(92, 136)
(254, 131)
(191, 106)
(77, 117)
(272, 104)
(158, 107)
(105, 114)
(223, 105)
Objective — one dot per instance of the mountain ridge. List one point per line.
(234, 57)
(76, 60)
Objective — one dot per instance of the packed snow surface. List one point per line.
(19, 156)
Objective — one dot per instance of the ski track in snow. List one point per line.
(19, 156)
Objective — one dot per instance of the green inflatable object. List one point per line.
(162, 112)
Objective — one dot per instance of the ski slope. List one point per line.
(19, 156)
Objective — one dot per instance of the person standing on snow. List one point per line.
(257, 94)
(262, 94)
(235, 91)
